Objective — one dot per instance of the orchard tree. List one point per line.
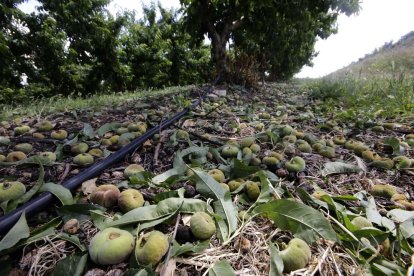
(270, 26)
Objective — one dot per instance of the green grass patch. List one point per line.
(365, 100)
(59, 103)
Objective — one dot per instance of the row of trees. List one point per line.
(73, 46)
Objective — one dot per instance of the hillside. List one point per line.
(391, 57)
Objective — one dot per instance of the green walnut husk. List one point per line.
(383, 163)
(402, 162)
(296, 255)
(130, 199)
(202, 226)
(247, 142)
(182, 134)
(235, 184)
(15, 156)
(296, 164)
(44, 126)
(339, 139)
(24, 147)
(383, 190)
(327, 152)
(217, 174)
(79, 148)
(370, 155)
(252, 190)
(133, 169)
(303, 146)
(255, 148)
(361, 222)
(83, 159)
(150, 248)
(60, 134)
(111, 246)
(11, 190)
(229, 151)
(21, 130)
(49, 155)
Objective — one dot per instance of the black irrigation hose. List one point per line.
(31, 207)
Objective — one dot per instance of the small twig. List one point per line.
(321, 260)
(336, 265)
(65, 173)
(167, 259)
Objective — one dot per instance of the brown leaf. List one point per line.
(89, 186)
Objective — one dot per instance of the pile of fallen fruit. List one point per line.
(246, 184)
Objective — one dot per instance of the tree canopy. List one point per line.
(280, 34)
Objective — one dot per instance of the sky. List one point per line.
(379, 21)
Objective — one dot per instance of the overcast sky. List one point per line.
(379, 21)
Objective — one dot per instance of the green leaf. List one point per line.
(72, 239)
(62, 193)
(276, 262)
(72, 265)
(180, 249)
(406, 220)
(81, 212)
(223, 205)
(88, 131)
(303, 221)
(18, 232)
(339, 167)
(221, 268)
(240, 170)
(108, 127)
(394, 143)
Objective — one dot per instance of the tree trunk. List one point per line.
(218, 52)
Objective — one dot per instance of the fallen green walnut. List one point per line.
(383, 190)
(111, 246)
(11, 190)
(150, 248)
(15, 156)
(402, 162)
(202, 226)
(21, 130)
(252, 190)
(130, 199)
(217, 174)
(255, 148)
(49, 155)
(44, 126)
(296, 255)
(383, 163)
(327, 152)
(60, 134)
(247, 142)
(83, 159)
(229, 151)
(133, 169)
(361, 222)
(24, 147)
(79, 148)
(296, 164)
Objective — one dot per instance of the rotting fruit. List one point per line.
(296, 255)
(130, 199)
(11, 190)
(111, 246)
(202, 225)
(105, 195)
(79, 148)
(24, 147)
(150, 248)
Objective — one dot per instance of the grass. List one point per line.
(41, 107)
(365, 100)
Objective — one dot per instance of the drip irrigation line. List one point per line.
(33, 206)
